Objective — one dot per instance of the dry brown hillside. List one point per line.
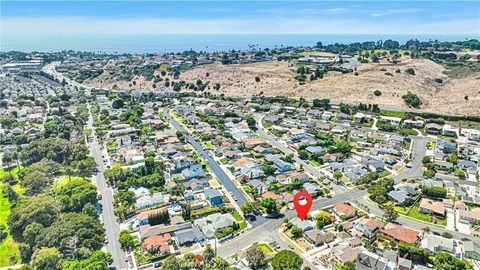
(278, 79)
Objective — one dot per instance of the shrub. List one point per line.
(377, 93)
(438, 80)
(412, 99)
(410, 71)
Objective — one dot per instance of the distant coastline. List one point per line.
(177, 43)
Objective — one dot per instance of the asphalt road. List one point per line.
(419, 149)
(107, 216)
(217, 170)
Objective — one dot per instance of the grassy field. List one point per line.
(8, 248)
(63, 180)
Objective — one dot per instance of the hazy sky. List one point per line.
(240, 17)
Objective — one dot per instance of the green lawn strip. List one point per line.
(8, 248)
(265, 248)
(237, 216)
(223, 160)
(314, 163)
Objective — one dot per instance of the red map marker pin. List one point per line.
(302, 209)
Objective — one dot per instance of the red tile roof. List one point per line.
(345, 209)
(400, 233)
(160, 241)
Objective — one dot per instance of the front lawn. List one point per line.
(265, 248)
(223, 160)
(314, 163)
(417, 215)
(237, 216)
(209, 144)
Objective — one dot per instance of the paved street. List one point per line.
(107, 216)
(419, 150)
(217, 170)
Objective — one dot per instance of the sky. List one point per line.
(240, 17)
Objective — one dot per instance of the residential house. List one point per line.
(150, 200)
(431, 207)
(195, 171)
(283, 166)
(448, 130)
(368, 226)
(214, 197)
(345, 253)
(189, 236)
(396, 232)
(315, 150)
(318, 238)
(343, 209)
(305, 225)
(367, 260)
(435, 244)
(433, 129)
(143, 217)
(471, 250)
(158, 244)
(466, 216)
(258, 186)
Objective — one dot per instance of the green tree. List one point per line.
(98, 260)
(75, 194)
(435, 192)
(47, 258)
(171, 263)
(126, 240)
(389, 213)
(296, 231)
(31, 232)
(377, 93)
(287, 260)
(218, 263)
(337, 175)
(378, 194)
(412, 100)
(118, 103)
(343, 146)
(208, 253)
(73, 234)
(41, 209)
(323, 219)
(10, 194)
(270, 206)
(445, 261)
(255, 256)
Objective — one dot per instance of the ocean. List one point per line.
(179, 43)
